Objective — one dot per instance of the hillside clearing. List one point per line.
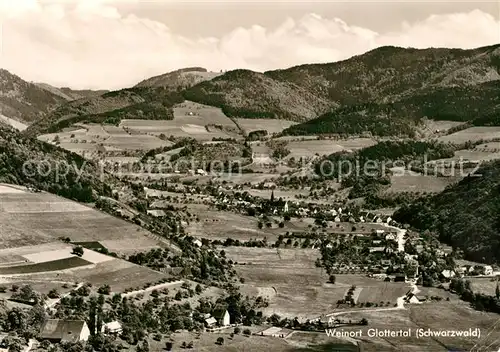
(472, 134)
(36, 218)
(271, 126)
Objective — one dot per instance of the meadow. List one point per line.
(436, 316)
(472, 134)
(295, 287)
(14, 123)
(89, 139)
(221, 225)
(269, 125)
(310, 148)
(485, 285)
(191, 119)
(415, 182)
(37, 218)
(119, 274)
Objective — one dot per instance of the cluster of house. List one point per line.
(59, 330)
(219, 318)
(469, 270)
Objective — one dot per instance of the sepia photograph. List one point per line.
(249, 175)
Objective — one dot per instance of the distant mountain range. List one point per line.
(386, 91)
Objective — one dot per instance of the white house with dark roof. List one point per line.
(222, 317)
(113, 328)
(56, 330)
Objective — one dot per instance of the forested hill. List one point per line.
(466, 215)
(478, 104)
(366, 87)
(24, 101)
(69, 175)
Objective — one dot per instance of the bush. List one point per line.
(247, 332)
(53, 294)
(220, 341)
(78, 250)
(104, 290)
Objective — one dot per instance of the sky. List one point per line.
(111, 44)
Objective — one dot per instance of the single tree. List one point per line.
(220, 341)
(78, 250)
(332, 279)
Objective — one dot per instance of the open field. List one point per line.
(200, 115)
(269, 125)
(252, 178)
(310, 148)
(37, 218)
(119, 274)
(206, 342)
(351, 144)
(14, 123)
(483, 152)
(295, 287)
(472, 134)
(54, 265)
(454, 315)
(222, 225)
(419, 183)
(194, 120)
(356, 143)
(91, 138)
(485, 285)
(433, 126)
(286, 195)
(177, 129)
(491, 147)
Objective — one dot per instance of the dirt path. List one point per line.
(152, 288)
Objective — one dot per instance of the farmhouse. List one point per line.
(56, 330)
(210, 322)
(390, 237)
(448, 274)
(414, 299)
(112, 328)
(488, 270)
(157, 213)
(272, 331)
(222, 317)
